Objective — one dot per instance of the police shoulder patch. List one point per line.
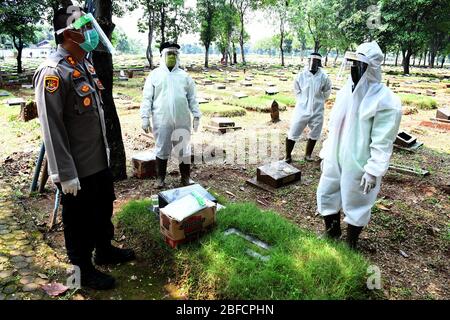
(51, 83)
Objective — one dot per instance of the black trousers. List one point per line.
(87, 217)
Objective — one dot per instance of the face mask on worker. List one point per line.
(171, 60)
(314, 63)
(93, 35)
(356, 64)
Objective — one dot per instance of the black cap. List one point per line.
(168, 45)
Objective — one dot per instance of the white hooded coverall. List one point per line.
(311, 91)
(363, 126)
(169, 98)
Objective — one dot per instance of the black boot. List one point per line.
(309, 149)
(333, 225)
(161, 168)
(185, 171)
(289, 147)
(353, 233)
(113, 255)
(95, 279)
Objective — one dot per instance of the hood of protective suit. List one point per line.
(163, 65)
(372, 52)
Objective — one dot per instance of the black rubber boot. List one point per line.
(161, 169)
(309, 149)
(289, 147)
(113, 255)
(353, 233)
(94, 279)
(333, 226)
(185, 171)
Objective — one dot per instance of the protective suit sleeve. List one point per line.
(297, 88)
(384, 131)
(192, 98)
(147, 99)
(50, 95)
(326, 88)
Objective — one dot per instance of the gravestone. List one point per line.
(122, 76)
(144, 165)
(207, 82)
(28, 111)
(201, 100)
(246, 83)
(221, 87)
(272, 90)
(240, 95)
(405, 139)
(443, 114)
(283, 79)
(27, 86)
(4, 93)
(274, 112)
(271, 84)
(430, 92)
(222, 125)
(230, 80)
(277, 174)
(16, 102)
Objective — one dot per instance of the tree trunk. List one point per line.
(241, 39)
(282, 51)
(406, 61)
(316, 45)
(384, 59)
(19, 47)
(425, 59)
(335, 58)
(442, 61)
(432, 57)
(234, 61)
(420, 59)
(149, 52)
(206, 55)
(104, 66)
(396, 58)
(162, 26)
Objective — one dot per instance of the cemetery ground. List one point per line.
(407, 238)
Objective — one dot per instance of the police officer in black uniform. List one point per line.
(69, 100)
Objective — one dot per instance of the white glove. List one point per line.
(71, 186)
(368, 182)
(146, 125)
(196, 124)
(321, 165)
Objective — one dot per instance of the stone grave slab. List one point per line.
(443, 114)
(272, 91)
(404, 139)
(221, 87)
(144, 165)
(16, 102)
(276, 174)
(201, 100)
(222, 125)
(283, 79)
(122, 76)
(207, 82)
(27, 86)
(4, 93)
(240, 95)
(246, 83)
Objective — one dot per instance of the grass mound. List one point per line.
(300, 266)
(222, 110)
(418, 101)
(262, 103)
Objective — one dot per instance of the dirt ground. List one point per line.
(407, 238)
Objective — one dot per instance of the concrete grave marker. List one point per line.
(246, 83)
(122, 76)
(144, 165)
(222, 125)
(275, 175)
(16, 102)
(274, 112)
(443, 114)
(272, 90)
(405, 139)
(240, 95)
(221, 87)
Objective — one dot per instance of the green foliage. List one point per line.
(221, 110)
(300, 265)
(418, 101)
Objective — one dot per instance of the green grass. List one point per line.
(301, 266)
(262, 103)
(221, 110)
(421, 102)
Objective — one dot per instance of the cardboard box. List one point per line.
(144, 165)
(168, 196)
(176, 232)
(277, 174)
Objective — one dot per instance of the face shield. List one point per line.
(354, 63)
(92, 32)
(170, 57)
(314, 62)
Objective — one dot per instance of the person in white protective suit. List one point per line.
(169, 99)
(312, 87)
(364, 123)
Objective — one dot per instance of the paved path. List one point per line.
(26, 262)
